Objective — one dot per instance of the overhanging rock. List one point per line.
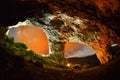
(61, 28)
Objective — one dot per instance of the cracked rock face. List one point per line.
(61, 28)
(91, 33)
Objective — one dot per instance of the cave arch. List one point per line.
(97, 36)
(99, 43)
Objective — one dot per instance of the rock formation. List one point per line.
(61, 28)
(91, 33)
(98, 18)
(101, 37)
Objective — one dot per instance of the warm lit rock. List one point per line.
(108, 7)
(96, 35)
(61, 28)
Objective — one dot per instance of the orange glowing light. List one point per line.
(72, 46)
(36, 40)
(34, 37)
(68, 64)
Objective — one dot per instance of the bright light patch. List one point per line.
(28, 49)
(34, 37)
(77, 21)
(68, 64)
(113, 45)
(73, 49)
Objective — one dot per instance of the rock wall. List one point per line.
(91, 9)
(61, 28)
(90, 32)
(108, 7)
(106, 37)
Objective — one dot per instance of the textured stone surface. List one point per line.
(87, 32)
(61, 28)
(98, 12)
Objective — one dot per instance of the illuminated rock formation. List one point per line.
(61, 28)
(86, 30)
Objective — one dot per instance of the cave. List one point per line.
(35, 39)
(60, 28)
(93, 23)
(47, 41)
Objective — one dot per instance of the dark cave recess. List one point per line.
(13, 11)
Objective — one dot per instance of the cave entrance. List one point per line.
(80, 55)
(52, 40)
(74, 49)
(34, 37)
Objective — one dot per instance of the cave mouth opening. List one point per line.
(75, 49)
(80, 55)
(36, 39)
(32, 36)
